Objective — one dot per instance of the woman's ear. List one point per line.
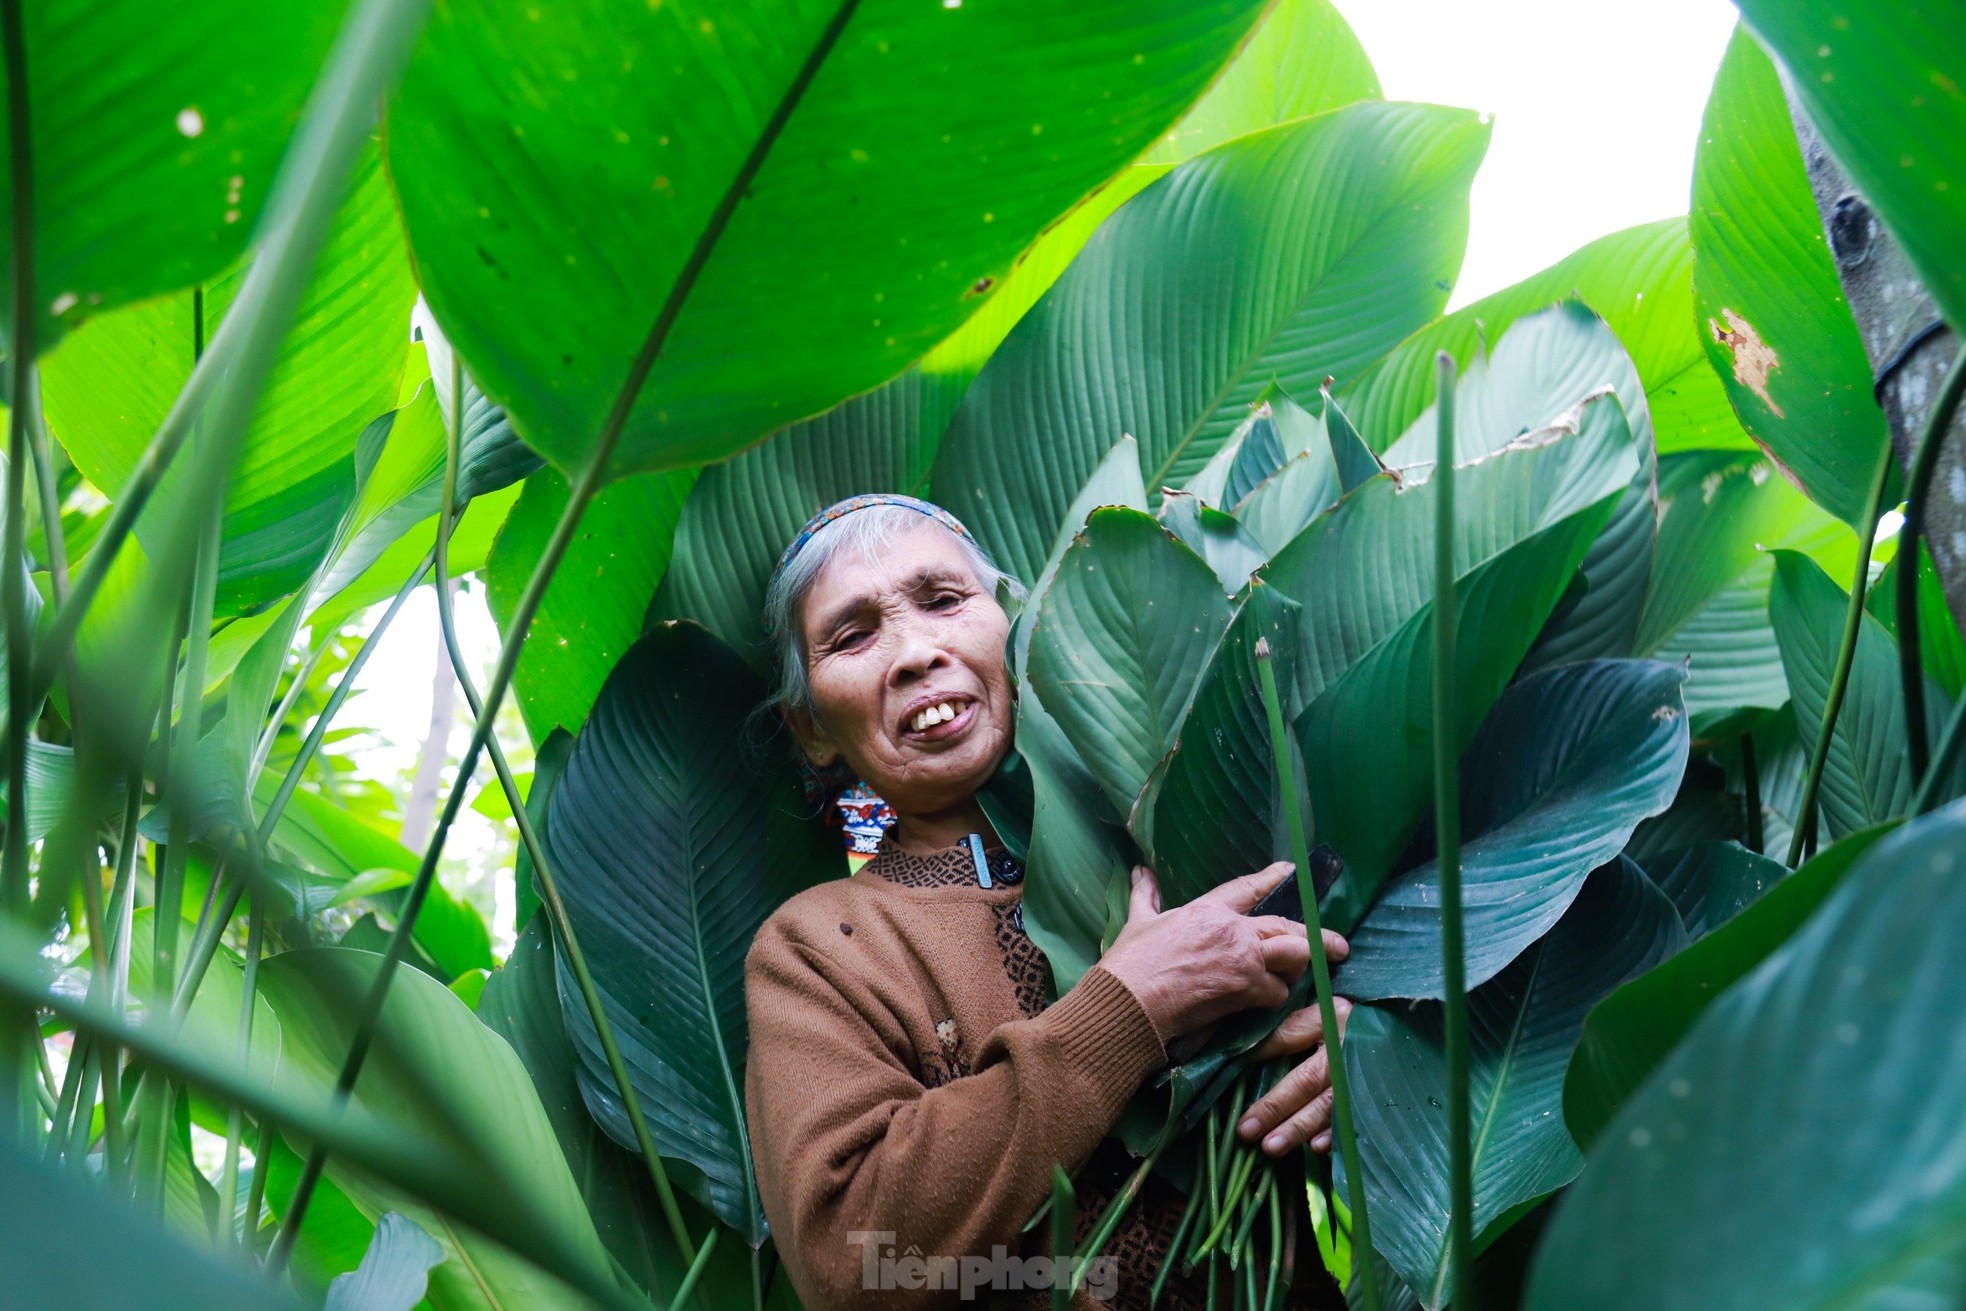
(818, 745)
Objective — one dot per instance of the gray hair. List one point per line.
(866, 533)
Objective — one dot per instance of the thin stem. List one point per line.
(1117, 1208)
(1751, 784)
(695, 1272)
(228, 1179)
(264, 748)
(1196, 1205)
(1911, 660)
(592, 475)
(1846, 655)
(1064, 1215)
(18, 1025)
(1951, 745)
(50, 494)
(256, 1190)
(205, 943)
(1341, 1093)
(542, 868)
(184, 750)
(1447, 832)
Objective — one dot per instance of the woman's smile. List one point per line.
(939, 718)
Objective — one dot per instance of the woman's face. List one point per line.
(893, 646)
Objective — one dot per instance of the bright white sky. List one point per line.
(1597, 109)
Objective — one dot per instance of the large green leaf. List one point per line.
(1633, 1029)
(1558, 460)
(1887, 98)
(744, 512)
(891, 190)
(1799, 1147)
(1711, 882)
(1522, 1027)
(1708, 601)
(1304, 59)
(436, 1071)
(593, 609)
(155, 135)
(1940, 643)
(1119, 640)
(394, 1272)
(107, 391)
(1367, 568)
(326, 837)
(673, 837)
(1076, 863)
(1867, 778)
(521, 1003)
(60, 1231)
(1640, 280)
(1291, 254)
(1566, 765)
(1212, 809)
(1769, 302)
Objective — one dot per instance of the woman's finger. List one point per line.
(1242, 894)
(1275, 926)
(1143, 903)
(1300, 1031)
(1296, 1090)
(1303, 1127)
(1285, 956)
(1335, 947)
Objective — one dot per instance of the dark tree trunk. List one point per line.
(1910, 348)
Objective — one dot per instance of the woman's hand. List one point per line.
(1298, 1110)
(1192, 965)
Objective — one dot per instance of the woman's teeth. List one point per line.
(939, 714)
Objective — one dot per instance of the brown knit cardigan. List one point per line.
(907, 1078)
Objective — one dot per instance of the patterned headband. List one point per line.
(841, 509)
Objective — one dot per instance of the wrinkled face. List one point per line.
(905, 656)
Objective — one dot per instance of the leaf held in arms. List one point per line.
(674, 835)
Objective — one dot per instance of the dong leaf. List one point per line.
(1867, 776)
(1711, 882)
(1290, 254)
(394, 1271)
(1303, 60)
(1367, 568)
(743, 512)
(1941, 644)
(437, 1072)
(1211, 811)
(1640, 280)
(594, 607)
(1718, 1183)
(1566, 765)
(1633, 1029)
(107, 391)
(1769, 302)
(1077, 861)
(1216, 536)
(521, 1003)
(1120, 637)
(1888, 100)
(1557, 465)
(1522, 1026)
(673, 838)
(864, 230)
(60, 1227)
(1708, 602)
(155, 135)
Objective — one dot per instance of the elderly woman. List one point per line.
(909, 1089)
